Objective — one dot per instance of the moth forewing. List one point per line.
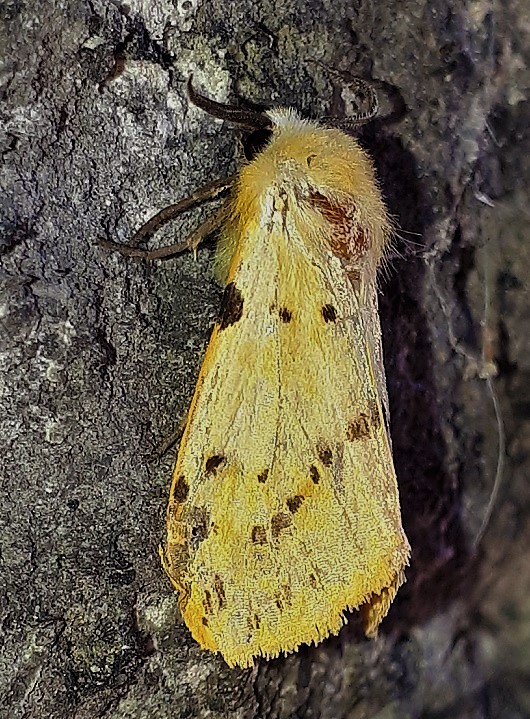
(284, 509)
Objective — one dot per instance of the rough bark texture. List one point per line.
(99, 353)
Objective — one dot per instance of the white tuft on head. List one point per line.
(286, 118)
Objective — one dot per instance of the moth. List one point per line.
(284, 509)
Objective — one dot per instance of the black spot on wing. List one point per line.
(294, 503)
(285, 596)
(329, 313)
(314, 474)
(259, 534)
(253, 623)
(285, 315)
(262, 476)
(213, 462)
(365, 423)
(199, 521)
(232, 306)
(279, 522)
(358, 427)
(219, 589)
(325, 455)
(180, 490)
(287, 593)
(207, 602)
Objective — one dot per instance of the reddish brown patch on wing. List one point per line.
(348, 240)
(361, 240)
(332, 211)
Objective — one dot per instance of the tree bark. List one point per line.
(99, 353)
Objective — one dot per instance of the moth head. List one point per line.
(313, 158)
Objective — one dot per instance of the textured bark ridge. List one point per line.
(99, 353)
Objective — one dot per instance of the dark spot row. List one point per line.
(232, 309)
(365, 422)
(231, 306)
(357, 428)
(207, 602)
(282, 598)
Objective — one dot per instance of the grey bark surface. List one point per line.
(99, 353)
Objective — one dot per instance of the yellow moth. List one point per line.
(284, 508)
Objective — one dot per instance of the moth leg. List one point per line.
(208, 192)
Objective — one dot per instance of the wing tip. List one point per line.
(373, 609)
